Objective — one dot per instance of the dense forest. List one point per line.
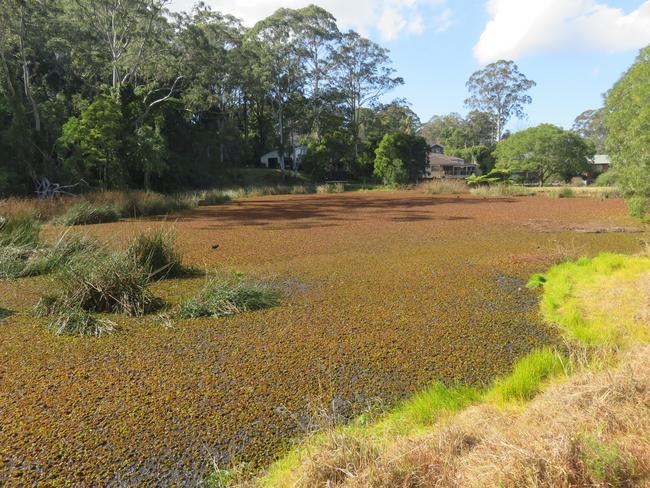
(126, 94)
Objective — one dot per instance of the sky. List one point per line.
(574, 49)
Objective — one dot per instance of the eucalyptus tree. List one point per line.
(316, 35)
(361, 72)
(279, 66)
(500, 90)
(209, 43)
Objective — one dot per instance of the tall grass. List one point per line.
(21, 230)
(86, 213)
(502, 190)
(445, 186)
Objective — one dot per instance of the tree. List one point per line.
(627, 119)
(362, 74)
(279, 65)
(401, 158)
(93, 141)
(590, 124)
(544, 151)
(500, 90)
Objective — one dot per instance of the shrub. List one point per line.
(19, 231)
(565, 193)
(220, 298)
(77, 322)
(87, 213)
(103, 282)
(638, 206)
(156, 253)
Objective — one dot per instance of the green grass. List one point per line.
(20, 231)
(563, 305)
(528, 377)
(224, 297)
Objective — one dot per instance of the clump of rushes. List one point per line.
(156, 253)
(103, 282)
(223, 297)
(21, 231)
(88, 213)
(64, 250)
(75, 321)
(18, 241)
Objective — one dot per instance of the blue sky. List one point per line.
(574, 49)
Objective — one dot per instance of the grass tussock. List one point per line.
(86, 213)
(78, 322)
(105, 282)
(224, 297)
(445, 186)
(156, 252)
(19, 231)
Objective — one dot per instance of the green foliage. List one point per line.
(77, 322)
(608, 178)
(627, 119)
(88, 213)
(493, 177)
(528, 377)
(544, 151)
(224, 297)
(400, 158)
(93, 140)
(64, 250)
(156, 253)
(638, 206)
(605, 463)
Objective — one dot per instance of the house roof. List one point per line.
(443, 160)
(601, 159)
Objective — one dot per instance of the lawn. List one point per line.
(383, 294)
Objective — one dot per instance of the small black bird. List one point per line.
(215, 246)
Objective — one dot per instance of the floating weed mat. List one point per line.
(78, 322)
(224, 297)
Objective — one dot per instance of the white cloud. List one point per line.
(391, 18)
(519, 27)
(444, 20)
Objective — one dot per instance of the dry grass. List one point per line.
(445, 186)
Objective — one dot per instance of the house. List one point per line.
(292, 158)
(600, 164)
(442, 166)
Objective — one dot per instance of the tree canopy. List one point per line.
(545, 151)
(128, 94)
(401, 158)
(627, 119)
(500, 90)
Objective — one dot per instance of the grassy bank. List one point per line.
(601, 306)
